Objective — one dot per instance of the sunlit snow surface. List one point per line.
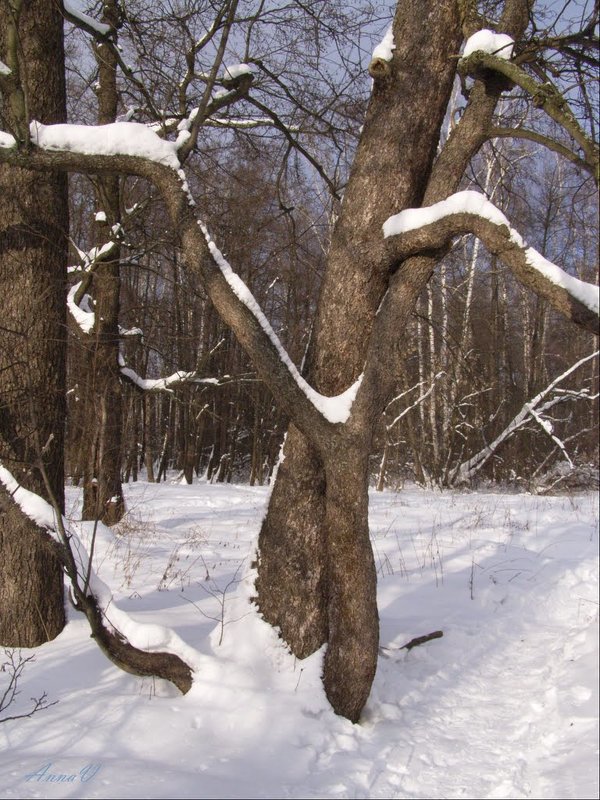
(385, 48)
(117, 138)
(498, 44)
(503, 706)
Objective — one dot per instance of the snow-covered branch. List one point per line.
(379, 66)
(168, 384)
(428, 229)
(84, 21)
(533, 409)
(479, 58)
(143, 649)
(134, 149)
(81, 309)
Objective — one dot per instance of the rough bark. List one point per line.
(390, 172)
(497, 239)
(142, 663)
(355, 283)
(31, 581)
(103, 429)
(352, 616)
(33, 239)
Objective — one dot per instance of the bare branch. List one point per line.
(534, 408)
(13, 667)
(76, 563)
(546, 141)
(544, 95)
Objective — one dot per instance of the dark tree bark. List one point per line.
(393, 162)
(33, 258)
(309, 530)
(103, 428)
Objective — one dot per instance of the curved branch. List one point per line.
(429, 229)
(314, 414)
(97, 30)
(154, 159)
(93, 597)
(545, 141)
(544, 95)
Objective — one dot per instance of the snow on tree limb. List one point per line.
(80, 306)
(133, 148)
(179, 378)
(150, 649)
(487, 41)
(533, 409)
(431, 228)
(117, 138)
(81, 311)
(334, 409)
(544, 95)
(77, 17)
(382, 55)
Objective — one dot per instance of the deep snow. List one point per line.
(505, 705)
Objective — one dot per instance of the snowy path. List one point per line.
(505, 705)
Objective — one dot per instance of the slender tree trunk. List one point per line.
(102, 491)
(33, 259)
(390, 172)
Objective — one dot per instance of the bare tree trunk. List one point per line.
(31, 580)
(435, 470)
(353, 621)
(353, 291)
(102, 491)
(33, 259)
(390, 172)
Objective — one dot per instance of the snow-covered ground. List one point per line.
(505, 705)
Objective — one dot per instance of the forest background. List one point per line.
(481, 345)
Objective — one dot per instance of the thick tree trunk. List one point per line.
(31, 581)
(390, 172)
(293, 545)
(33, 258)
(353, 620)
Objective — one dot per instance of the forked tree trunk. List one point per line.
(390, 172)
(394, 168)
(33, 258)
